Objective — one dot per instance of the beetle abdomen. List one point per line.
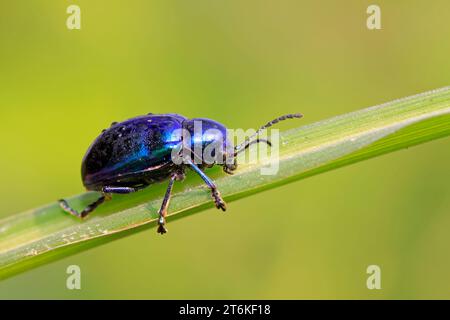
(131, 153)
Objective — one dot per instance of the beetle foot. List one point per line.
(161, 226)
(220, 204)
(162, 229)
(65, 206)
(228, 171)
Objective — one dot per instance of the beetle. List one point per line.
(131, 155)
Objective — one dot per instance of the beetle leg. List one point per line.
(121, 190)
(220, 204)
(67, 208)
(165, 204)
(105, 196)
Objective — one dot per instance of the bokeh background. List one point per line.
(241, 63)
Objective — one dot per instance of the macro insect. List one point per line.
(131, 155)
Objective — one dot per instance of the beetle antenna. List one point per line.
(247, 143)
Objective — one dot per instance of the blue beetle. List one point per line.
(131, 155)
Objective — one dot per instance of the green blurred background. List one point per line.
(241, 63)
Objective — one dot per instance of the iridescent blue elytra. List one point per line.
(133, 154)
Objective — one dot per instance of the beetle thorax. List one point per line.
(206, 140)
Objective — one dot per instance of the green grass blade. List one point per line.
(45, 234)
